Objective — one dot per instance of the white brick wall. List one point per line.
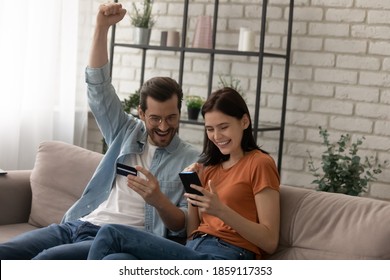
(339, 78)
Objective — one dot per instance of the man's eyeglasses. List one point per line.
(156, 120)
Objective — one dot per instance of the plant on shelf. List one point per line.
(142, 17)
(343, 170)
(229, 81)
(143, 20)
(130, 105)
(194, 104)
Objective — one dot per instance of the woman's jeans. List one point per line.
(68, 241)
(123, 242)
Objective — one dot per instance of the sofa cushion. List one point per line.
(15, 197)
(59, 176)
(319, 225)
(12, 230)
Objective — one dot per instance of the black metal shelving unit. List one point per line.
(261, 54)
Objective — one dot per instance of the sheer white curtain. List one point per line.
(40, 78)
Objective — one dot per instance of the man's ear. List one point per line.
(141, 113)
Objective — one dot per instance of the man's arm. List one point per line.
(109, 14)
(149, 189)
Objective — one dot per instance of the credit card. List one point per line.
(123, 169)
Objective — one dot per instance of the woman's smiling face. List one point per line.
(225, 131)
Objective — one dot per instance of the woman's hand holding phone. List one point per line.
(188, 178)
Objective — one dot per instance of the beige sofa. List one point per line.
(314, 225)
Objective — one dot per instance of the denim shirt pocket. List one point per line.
(173, 190)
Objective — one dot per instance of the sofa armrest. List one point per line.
(15, 197)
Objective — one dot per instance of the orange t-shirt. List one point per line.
(236, 187)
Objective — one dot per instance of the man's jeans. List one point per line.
(123, 242)
(68, 241)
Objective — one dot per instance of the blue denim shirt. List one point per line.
(125, 135)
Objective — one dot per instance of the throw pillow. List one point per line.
(59, 176)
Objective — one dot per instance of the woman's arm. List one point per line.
(193, 220)
(264, 234)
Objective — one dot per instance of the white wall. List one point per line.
(339, 77)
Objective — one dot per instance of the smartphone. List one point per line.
(188, 178)
(124, 170)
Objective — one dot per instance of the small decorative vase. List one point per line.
(193, 113)
(141, 36)
(246, 40)
(134, 112)
(173, 38)
(163, 40)
(203, 33)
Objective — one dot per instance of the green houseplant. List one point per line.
(343, 170)
(194, 104)
(142, 19)
(230, 81)
(130, 105)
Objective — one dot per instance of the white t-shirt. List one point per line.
(124, 206)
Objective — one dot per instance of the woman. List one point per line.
(238, 215)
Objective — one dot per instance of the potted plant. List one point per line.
(344, 172)
(194, 104)
(231, 82)
(130, 105)
(143, 20)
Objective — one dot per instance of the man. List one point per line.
(153, 200)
